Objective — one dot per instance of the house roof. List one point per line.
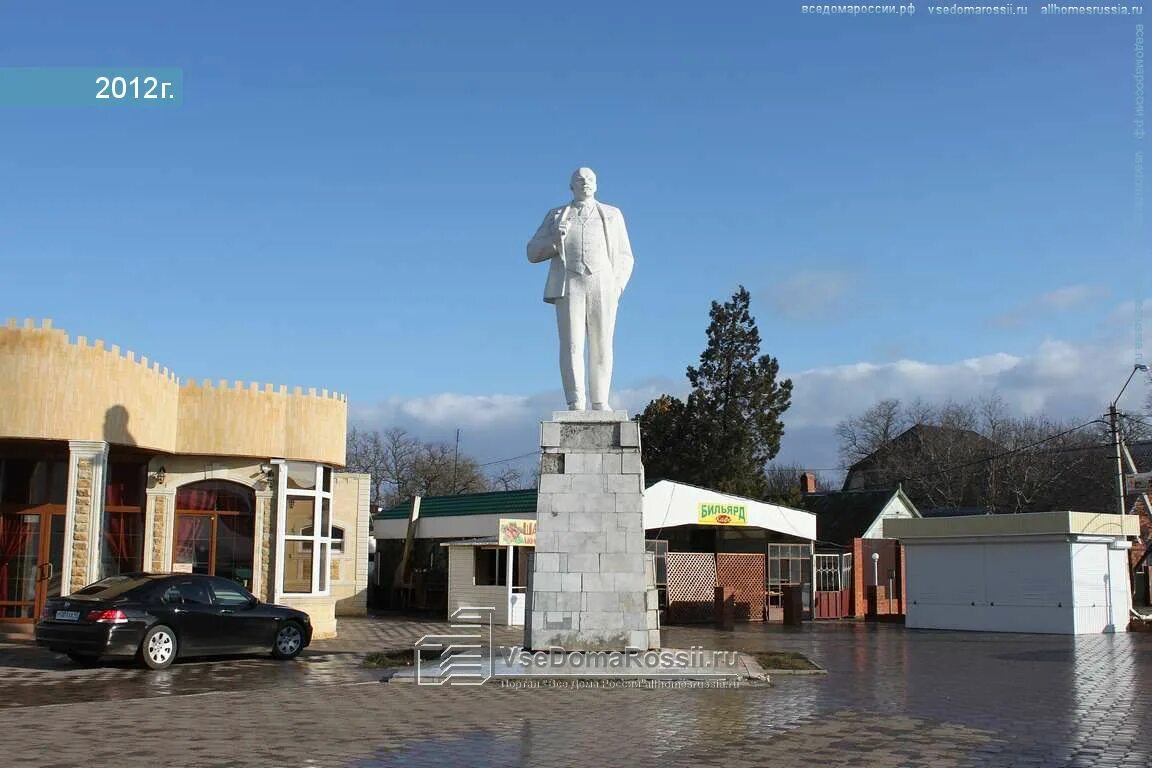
(842, 516)
(509, 503)
(918, 435)
(665, 504)
(480, 541)
(953, 511)
(668, 504)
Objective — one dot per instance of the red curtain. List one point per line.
(14, 534)
(114, 535)
(123, 533)
(185, 530)
(198, 499)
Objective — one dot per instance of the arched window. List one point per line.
(337, 538)
(214, 531)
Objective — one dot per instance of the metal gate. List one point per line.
(833, 586)
(691, 587)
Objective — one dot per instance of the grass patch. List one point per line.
(388, 659)
(783, 660)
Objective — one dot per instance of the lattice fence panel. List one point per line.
(691, 587)
(744, 576)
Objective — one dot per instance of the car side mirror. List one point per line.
(253, 602)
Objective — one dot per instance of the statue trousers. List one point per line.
(587, 312)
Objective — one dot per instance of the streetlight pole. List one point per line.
(1114, 423)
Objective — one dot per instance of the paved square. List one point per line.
(893, 697)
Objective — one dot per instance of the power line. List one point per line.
(511, 458)
(1005, 454)
(799, 470)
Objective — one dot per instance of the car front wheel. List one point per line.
(158, 649)
(289, 641)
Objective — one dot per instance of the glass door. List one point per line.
(20, 548)
(215, 532)
(195, 542)
(50, 571)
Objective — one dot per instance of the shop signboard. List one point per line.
(1141, 482)
(714, 513)
(517, 533)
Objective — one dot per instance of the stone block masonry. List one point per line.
(592, 583)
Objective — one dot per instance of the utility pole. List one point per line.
(456, 460)
(1114, 421)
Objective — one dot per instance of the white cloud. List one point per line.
(1072, 296)
(1058, 378)
(1062, 299)
(811, 293)
(491, 427)
(1125, 314)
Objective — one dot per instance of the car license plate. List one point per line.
(67, 615)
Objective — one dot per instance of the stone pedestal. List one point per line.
(592, 584)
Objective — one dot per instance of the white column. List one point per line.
(508, 581)
(263, 502)
(277, 533)
(149, 525)
(95, 451)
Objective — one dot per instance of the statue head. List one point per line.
(583, 184)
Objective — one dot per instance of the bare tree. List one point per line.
(437, 471)
(385, 457)
(972, 454)
(863, 435)
(510, 478)
(1040, 460)
(785, 484)
(402, 466)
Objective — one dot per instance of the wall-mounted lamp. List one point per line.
(159, 475)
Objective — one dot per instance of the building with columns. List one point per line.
(110, 463)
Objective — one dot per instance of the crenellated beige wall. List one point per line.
(240, 421)
(56, 389)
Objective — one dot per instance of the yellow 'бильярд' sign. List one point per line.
(711, 513)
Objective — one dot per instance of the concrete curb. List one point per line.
(746, 672)
(545, 681)
(798, 672)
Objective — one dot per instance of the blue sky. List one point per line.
(935, 206)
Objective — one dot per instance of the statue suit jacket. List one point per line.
(543, 247)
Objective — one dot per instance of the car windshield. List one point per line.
(113, 586)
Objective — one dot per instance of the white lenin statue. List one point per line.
(591, 261)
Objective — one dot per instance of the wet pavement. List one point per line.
(893, 697)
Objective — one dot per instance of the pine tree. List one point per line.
(730, 427)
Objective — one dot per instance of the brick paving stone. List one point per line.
(893, 697)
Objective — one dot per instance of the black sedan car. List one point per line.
(157, 618)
